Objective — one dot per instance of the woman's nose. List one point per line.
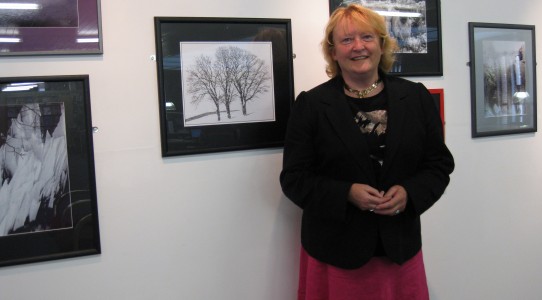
(358, 44)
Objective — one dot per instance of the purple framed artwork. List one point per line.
(48, 27)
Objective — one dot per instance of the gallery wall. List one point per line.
(216, 226)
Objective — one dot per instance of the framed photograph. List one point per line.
(416, 27)
(44, 27)
(503, 78)
(224, 84)
(438, 97)
(48, 207)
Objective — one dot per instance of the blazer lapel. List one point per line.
(396, 119)
(340, 117)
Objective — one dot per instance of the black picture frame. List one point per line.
(503, 79)
(48, 205)
(191, 121)
(46, 27)
(417, 30)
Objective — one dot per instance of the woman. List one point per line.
(364, 157)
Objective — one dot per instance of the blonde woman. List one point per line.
(364, 157)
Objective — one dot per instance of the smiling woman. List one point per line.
(364, 157)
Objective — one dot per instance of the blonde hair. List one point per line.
(364, 17)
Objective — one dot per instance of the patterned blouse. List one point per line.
(371, 115)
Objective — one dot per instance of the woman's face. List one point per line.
(356, 49)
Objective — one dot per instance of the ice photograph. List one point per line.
(504, 78)
(227, 83)
(34, 177)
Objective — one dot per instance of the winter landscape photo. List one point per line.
(227, 83)
(34, 168)
(406, 21)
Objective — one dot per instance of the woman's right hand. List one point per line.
(365, 197)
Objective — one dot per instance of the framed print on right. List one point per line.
(416, 27)
(503, 78)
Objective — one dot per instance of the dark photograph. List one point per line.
(39, 13)
(50, 27)
(48, 206)
(34, 177)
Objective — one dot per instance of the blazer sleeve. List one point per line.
(432, 175)
(315, 193)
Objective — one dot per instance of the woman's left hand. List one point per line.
(396, 203)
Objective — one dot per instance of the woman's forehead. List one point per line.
(349, 25)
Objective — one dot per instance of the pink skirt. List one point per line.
(379, 279)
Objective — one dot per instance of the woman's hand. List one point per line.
(365, 197)
(395, 202)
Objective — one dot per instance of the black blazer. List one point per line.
(325, 153)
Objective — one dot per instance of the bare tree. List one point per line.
(204, 81)
(226, 67)
(251, 76)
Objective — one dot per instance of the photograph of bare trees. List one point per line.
(227, 83)
(224, 84)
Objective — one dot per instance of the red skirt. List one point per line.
(379, 279)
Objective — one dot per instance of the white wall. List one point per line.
(217, 226)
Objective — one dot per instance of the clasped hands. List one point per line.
(388, 203)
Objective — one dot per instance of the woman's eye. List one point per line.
(368, 38)
(347, 40)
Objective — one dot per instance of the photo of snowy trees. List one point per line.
(227, 82)
(224, 84)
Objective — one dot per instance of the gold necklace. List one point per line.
(365, 92)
